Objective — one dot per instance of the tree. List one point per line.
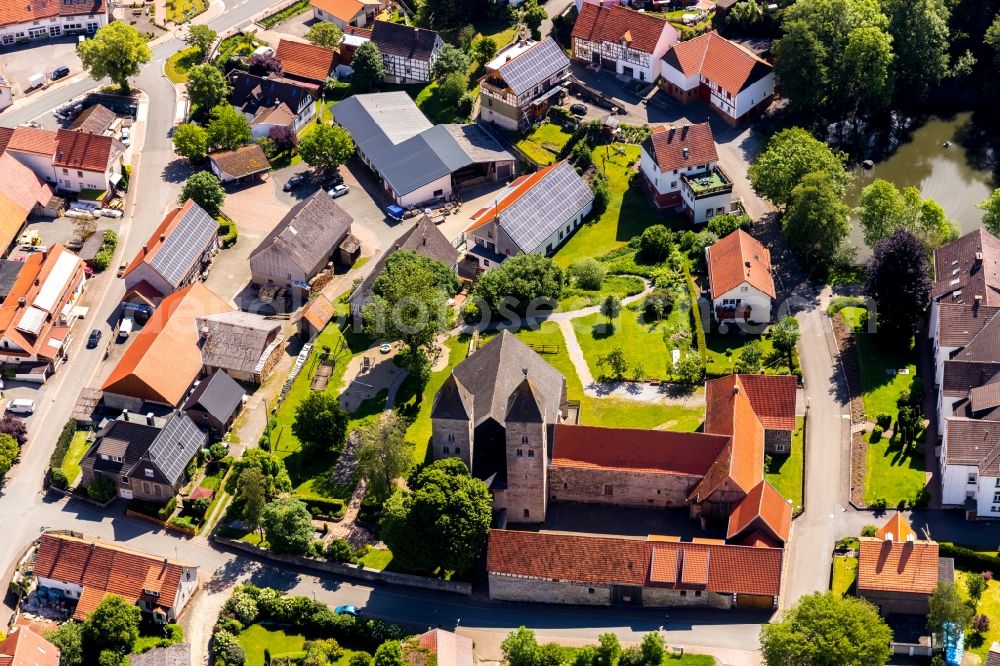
(112, 626)
(521, 283)
(991, 216)
(884, 209)
(200, 37)
(450, 92)
(611, 307)
(251, 491)
(368, 66)
(602, 192)
(288, 525)
(228, 129)
(383, 454)
(976, 585)
(784, 337)
(588, 273)
(946, 607)
(325, 34)
(271, 467)
(823, 628)
(898, 280)
(326, 147)
(655, 244)
(284, 137)
(443, 521)
(532, 14)
(450, 59)
(980, 624)
(520, 647)
(868, 68)
(868, 530)
(390, 653)
(751, 359)
(616, 361)
(261, 64)
(116, 52)
(322, 652)
(484, 50)
(449, 13)
(69, 639)
(9, 451)
(191, 142)
(690, 369)
(653, 648)
(320, 423)
(992, 39)
(920, 40)
(13, 426)
(206, 191)
(727, 223)
(816, 221)
(790, 155)
(800, 66)
(418, 365)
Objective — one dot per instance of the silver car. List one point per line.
(339, 190)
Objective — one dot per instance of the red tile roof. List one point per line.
(616, 24)
(12, 12)
(739, 258)
(517, 189)
(896, 529)
(103, 568)
(449, 648)
(67, 148)
(717, 568)
(647, 451)
(307, 61)
(5, 135)
(23, 647)
(762, 509)
(771, 396)
(568, 557)
(719, 60)
(897, 566)
(33, 140)
(667, 146)
(318, 312)
(22, 191)
(345, 10)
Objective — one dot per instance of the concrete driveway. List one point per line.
(39, 57)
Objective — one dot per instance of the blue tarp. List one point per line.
(954, 644)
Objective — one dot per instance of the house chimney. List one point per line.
(687, 153)
(145, 248)
(163, 237)
(910, 538)
(747, 263)
(149, 419)
(203, 332)
(125, 414)
(37, 282)
(736, 389)
(21, 302)
(979, 257)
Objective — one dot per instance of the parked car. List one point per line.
(121, 270)
(95, 337)
(24, 406)
(126, 136)
(578, 109)
(125, 329)
(347, 610)
(59, 72)
(294, 182)
(339, 190)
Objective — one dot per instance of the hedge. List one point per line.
(228, 234)
(699, 330)
(838, 303)
(969, 558)
(333, 508)
(62, 444)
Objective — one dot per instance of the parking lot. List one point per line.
(20, 61)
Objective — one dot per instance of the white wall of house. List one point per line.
(754, 94)
(705, 208)
(565, 230)
(55, 26)
(358, 21)
(668, 38)
(946, 407)
(746, 294)
(75, 180)
(41, 165)
(71, 590)
(432, 190)
(6, 97)
(677, 77)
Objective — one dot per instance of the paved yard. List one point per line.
(297, 26)
(39, 57)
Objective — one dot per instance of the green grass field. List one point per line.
(845, 575)
(989, 605)
(543, 144)
(179, 11)
(724, 351)
(879, 388)
(178, 64)
(642, 343)
(71, 463)
(892, 474)
(620, 286)
(256, 637)
(377, 558)
(785, 473)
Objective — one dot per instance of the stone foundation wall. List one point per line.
(635, 489)
(507, 588)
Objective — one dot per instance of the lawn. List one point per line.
(620, 286)
(785, 472)
(724, 351)
(150, 636)
(989, 605)
(543, 144)
(845, 575)
(879, 388)
(212, 480)
(179, 63)
(892, 474)
(377, 558)
(256, 637)
(627, 213)
(569, 654)
(179, 11)
(71, 463)
(642, 343)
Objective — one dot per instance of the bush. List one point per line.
(884, 421)
(331, 508)
(838, 303)
(101, 261)
(101, 490)
(876, 435)
(869, 531)
(658, 305)
(167, 509)
(980, 624)
(58, 478)
(62, 444)
(198, 507)
(226, 649)
(588, 273)
(581, 155)
(340, 551)
(880, 504)
(228, 233)
(602, 194)
(184, 523)
(699, 329)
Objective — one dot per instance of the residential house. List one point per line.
(521, 82)
(408, 52)
(244, 345)
(448, 648)
(622, 40)
(580, 3)
(163, 360)
(176, 253)
(24, 21)
(418, 162)
(314, 317)
(680, 168)
(23, 647)
(583, 569)
(144, 457)
(346, 13)
(898, 572)
(993, 658)
(305, 62)
(734, 82)
(39, 309)
(73, 161)
(970, 465)
(535, 214)
(740, 282)
(772, 398)
(23, 195)
(178, 654)
(96, 119)
(215, 403)
(271, 102)
(234, 166)
(301, 244)
(87, 570)
(425, 239)
(763, 518)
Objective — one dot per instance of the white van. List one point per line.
(35, 80)
(126, 327)
(24, 406)
(263, 50)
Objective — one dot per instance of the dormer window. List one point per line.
(152, 593)
(149, 473)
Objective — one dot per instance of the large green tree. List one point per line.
(368, 67)
(207, 86)
(800, 64)
(868, 70)
(200, 37)
(288, 526)
(383, 454)
(228, 129)
(789, 156)
(69, 639)
(450, 59)
(325, 34)
(884, 209)
(522, 284)
(920, 40)
(320, 422)
(898, 280)
(191, 142)
(112, 627)
(251, 491)
(991, 214)
(824, 629)
(9, 450)
(116, 51)
(326, 147)
(946, 607)
(272, 468)
(520, 647)
(442, 521)
(816, 221)
(449, 13)
(206, 190)
(784, 337)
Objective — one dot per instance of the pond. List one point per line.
(943, 174)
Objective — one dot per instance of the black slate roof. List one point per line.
(309, 232)
(219, 396)
(403, 40)
(251, 92)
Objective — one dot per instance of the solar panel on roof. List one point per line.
(176, 444)
(543, 209)
(185, 245)
(534, 66)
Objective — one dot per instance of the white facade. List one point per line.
(742, 296)
(6, 96)
(65, 178)
(501, 245)
(358, 21)
(433, 190)
(962, 482)
(55, 26)
(638, 65)
(705, 207)
(667, 182)
(752, 95)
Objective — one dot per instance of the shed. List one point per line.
(215, 403)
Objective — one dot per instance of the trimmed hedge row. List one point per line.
(56, 476)
(332, 508)
(969, 558)
(699, 330)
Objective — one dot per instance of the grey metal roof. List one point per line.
(478, 144)
(546, 206)
(391, 116)
(174, 655)
(175, 445)
(219, 396)
(309, 232)
(533, 66)
(234, 340)
(185, 245)
(121, 438)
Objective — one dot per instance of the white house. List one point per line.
(521, 82)
(736, 83)
(343, 13)
(74, 161)
(680, 167)
(970, 466)
(739, 277)
(408, 53)
(622, 40)
(24, 21)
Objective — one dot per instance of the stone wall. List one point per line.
(461, 434)
(636, 489)
(774, 438)
(527, 455)
(654, 597)
(509, 588)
